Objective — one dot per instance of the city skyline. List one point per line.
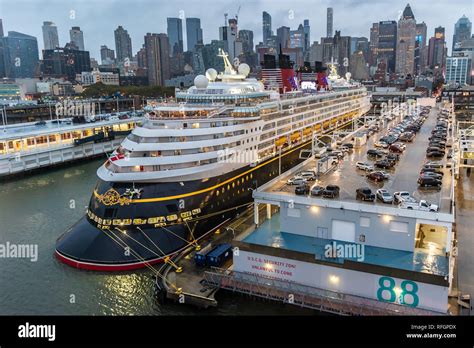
(100, 31)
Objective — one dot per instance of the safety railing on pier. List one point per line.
(305, 296)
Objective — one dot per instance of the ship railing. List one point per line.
(304, 295)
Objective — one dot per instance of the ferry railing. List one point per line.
(306, 296)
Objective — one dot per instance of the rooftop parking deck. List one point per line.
(403, 176)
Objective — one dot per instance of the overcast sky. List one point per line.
(98, 19)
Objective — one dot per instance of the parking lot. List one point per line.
(403, 176)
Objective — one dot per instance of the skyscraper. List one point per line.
(2, 54)
(157, 58)
(193, 32)
(246, 36)
(437, 50)
(283, 37)
(462, 31)
(387, 44)
(297, 37)
(267, 26)
(50, 36)
(329, 22)
(228, 34)
(106, 54)
(77, 37)
(406, 33)
(175, 35)
(420, 48)
(21, 55)
(373, 44)
(307, 32)
(123, 44)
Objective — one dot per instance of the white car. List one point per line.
(381, 144)
(364, 166)
(401, 196)
(421, 205)
(297, 180)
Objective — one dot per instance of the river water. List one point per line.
(37, 209)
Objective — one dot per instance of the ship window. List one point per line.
(233, 184)
(217, 193)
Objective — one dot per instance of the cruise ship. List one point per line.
(194, 162)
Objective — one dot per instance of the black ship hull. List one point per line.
(124, 232)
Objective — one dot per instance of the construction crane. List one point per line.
(237, 14)
(225, 19)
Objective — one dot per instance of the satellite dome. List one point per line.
(244, 69)
(211, 74)
(201, 82)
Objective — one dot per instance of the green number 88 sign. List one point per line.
(407, 294)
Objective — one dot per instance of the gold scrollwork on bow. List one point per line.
(112, 197)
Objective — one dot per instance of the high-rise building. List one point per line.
(106, 54)
(406, 33)
(458, 69)
(267, 26)
(2, 52)
(420, 48)
(65, 62)
(157, 58)
(193, 32)
(246, 36)
(329, 22)
(50, 36)
(229, 35)
(387, 44)
(21, 55)
(175, 35)
(283, 37)
(141, 58)
(315, 52)
(437, 50)
(123, 44)
(373, 44)
(307, 35)
(341, 52)
(462, 31)
(297, 37)
(209, 55)
(77, 37)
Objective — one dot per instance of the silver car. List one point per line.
(384, 196)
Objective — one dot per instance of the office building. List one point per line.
(462, 31)
(21, 55)
(123, 44)
(157, 57)
(193, 32)
(175, 35)
(77, 37)
(406, 33)
(50, 35)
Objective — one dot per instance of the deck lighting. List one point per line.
(314, 209)
(334, 279)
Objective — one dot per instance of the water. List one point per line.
(36, 210)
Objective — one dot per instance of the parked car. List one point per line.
(384, 164)
(421, 205)
(365, 194)
(393, 157)
(435, 154)
(407, 137)
(395, 148)
(297, 180)
(437, 165)
(317, 190)
(302, 189)
(433, 170)
(381, 144)
(331, 191)
(364, 166)
(309, 176)
(431, 175)
(376, 176)
(429, 182)
(375, 153)
(400, 196)
(40, 123)
(384, 196)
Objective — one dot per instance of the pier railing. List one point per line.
(305, 296)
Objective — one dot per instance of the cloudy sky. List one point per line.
(98, 19)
